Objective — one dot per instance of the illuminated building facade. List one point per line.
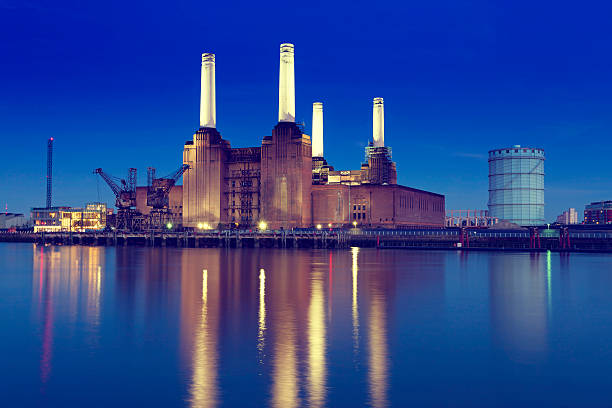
(68, 219)
(287, 182)
(598, 213)
(568, 217)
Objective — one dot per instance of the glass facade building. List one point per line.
(516, 185)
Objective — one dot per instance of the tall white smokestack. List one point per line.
(379, 123)
(286, 85)
(317, 129)
(208, 106)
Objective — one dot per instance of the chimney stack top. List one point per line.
(208, 57)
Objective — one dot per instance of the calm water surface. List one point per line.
(93, 326)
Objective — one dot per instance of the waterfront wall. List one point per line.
(457, 239)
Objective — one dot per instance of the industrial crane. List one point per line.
(125, 193)
(158, 191)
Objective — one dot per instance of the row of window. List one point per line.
(526, 196)
(423, 204)
(515, 150)
(519, 214)
(516, 166)
(516, 181)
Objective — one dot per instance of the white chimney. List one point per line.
(317, 129)
(286, 85)
(208, 107)
(379, 123)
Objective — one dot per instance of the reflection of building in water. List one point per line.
(354, 305)
(158, 279)
(378, 353)
(262, 314)
(285, 301)
(317, 369)
(378, 369)
(199, 323)
(70, 275)
(66, 278)
(518, 295)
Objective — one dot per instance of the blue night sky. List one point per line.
(117, 85)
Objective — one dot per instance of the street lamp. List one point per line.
(262, 226)
(318, 226)
(169, 225)
(355, 224)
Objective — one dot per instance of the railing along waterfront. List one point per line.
(534, 239)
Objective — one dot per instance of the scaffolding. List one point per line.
(243, 192)
(470, 218)
(320, 170)
(381, 169)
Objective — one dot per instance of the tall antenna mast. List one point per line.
(49, 170)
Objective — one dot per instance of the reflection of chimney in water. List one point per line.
(262, 313)
(378, 354)
(203, 389)
(355, 309)
(317, 367)
(282, 305)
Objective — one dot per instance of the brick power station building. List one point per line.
(286, 182)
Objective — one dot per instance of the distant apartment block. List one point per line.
(568, 217)
(598, 213)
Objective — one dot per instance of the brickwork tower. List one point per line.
(286, 159)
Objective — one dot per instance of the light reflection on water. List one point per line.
(519, 310)
(354, 308)
(204, 384)
(210, 327)
(67, 280)
(317, 369)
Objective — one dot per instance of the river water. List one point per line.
(130, 326)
